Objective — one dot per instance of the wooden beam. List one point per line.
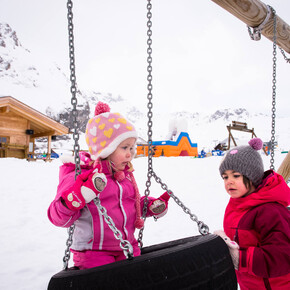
(284, 168)
(5, 109)
(44, 134)
(253, 13)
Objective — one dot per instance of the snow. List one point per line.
(32, 248)
(204, 83)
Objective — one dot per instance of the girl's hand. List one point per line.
(158, 208)
(86, 187)
(233, 247)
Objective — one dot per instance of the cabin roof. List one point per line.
(41, 124)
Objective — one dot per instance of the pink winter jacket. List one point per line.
(91, 231)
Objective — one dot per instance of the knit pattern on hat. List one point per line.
(106, 130)
(245, 160)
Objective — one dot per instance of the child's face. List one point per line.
(234, 184)
(123, 154)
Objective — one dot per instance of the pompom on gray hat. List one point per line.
(245, 160)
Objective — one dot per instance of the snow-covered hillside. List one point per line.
(36, 81)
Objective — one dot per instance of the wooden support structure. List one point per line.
(284, 168)
(240, 126)
(253, 13)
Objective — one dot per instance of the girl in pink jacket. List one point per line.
(107, 173)
(256, 220)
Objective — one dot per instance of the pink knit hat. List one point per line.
(106, 130)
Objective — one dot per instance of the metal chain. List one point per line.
(284, 55)
(74, 102)
(124, 244)
(203, 228)
(273, 89)
(69, 241)
(73, 88)
(149, 115)
(256, 35)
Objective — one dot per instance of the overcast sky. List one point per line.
(203, 57)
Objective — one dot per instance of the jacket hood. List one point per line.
(272, 189)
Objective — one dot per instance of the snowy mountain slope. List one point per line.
(36, 81)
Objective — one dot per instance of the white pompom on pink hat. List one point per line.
(106, 130)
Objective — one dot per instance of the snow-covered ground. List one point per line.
(32, 248)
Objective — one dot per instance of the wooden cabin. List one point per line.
(20, 125)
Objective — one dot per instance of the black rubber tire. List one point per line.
(200, 262)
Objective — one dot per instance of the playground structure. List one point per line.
(100, 276)
(240, 126)
(181, 147)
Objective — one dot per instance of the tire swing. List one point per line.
(198, 262)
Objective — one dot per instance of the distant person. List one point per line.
(256, 220)
(107, 173)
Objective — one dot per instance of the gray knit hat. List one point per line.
(245, 160)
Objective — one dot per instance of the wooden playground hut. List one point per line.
(20, 125)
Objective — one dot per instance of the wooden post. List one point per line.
(48, 155)
(284, 168)
(253, 13)
(230, 137)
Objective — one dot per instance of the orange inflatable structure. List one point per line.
(181, 147)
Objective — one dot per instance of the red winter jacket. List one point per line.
(260, 224)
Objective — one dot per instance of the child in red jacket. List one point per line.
(256, 220)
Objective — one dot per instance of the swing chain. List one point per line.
(273, 88)
(69, 241)
(74, 101)
(149, 115)
(73, 88)
(202, 227)
(284, 55)
(124, 244)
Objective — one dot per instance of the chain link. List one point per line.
(74, 102)
(202, 227)
(73, 88)
(149, 116)
(256, 35)
(124, 244)
(284, 55)
(273, 88)
(69, 241)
